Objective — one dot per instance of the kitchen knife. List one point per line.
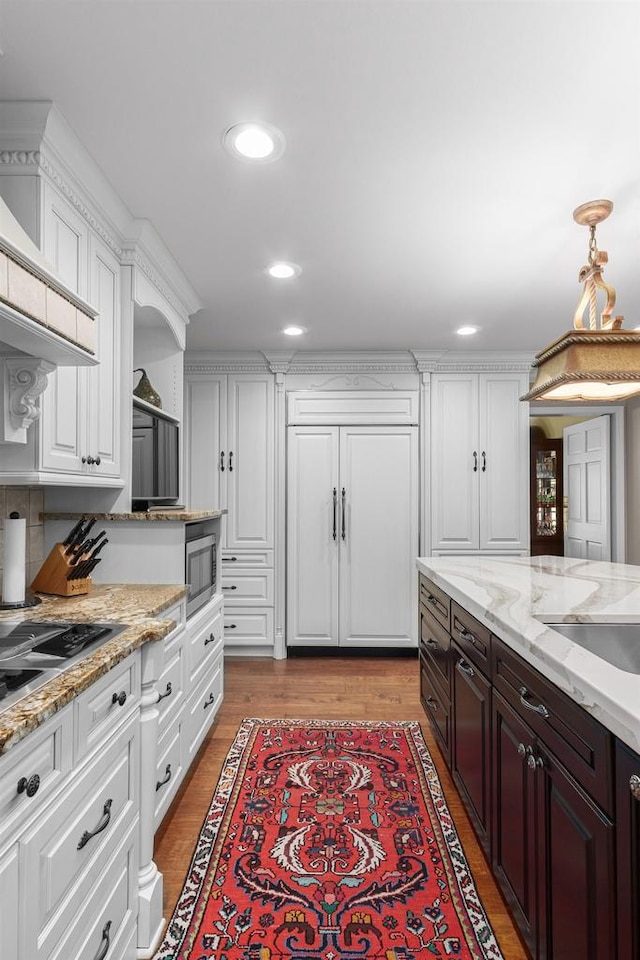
(80, 537)
(73, 533)
(85, 566)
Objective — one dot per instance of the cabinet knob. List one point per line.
(97, 461)
(534, 763)
(30, 786)
(120, 698)
(634, 786)
(522, 750)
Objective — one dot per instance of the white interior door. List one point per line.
(379, 540)
(587, 482)
(312, 536)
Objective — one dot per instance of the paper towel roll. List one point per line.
(14, 559)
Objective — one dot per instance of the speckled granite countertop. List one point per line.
(134, 604)
(182, 516)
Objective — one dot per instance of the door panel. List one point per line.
(104, 380)
(312, 550)
(206, 402)
(454, 469)
(587, 483)
(250, 462)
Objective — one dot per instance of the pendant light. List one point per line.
(598, 362)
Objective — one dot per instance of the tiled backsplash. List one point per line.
(29, 503)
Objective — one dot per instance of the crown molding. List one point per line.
(243, 362)
(473, 361)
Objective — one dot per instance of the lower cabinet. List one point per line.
(536, 774)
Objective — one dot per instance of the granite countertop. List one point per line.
(516, 598)
(137, 605)
(182, 515)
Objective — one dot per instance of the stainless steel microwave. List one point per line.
(200, 566)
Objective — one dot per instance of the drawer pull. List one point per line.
(120, 698)
(210, 701)
(210, 639)
(469, 637)
(432, 703)
(634, 786)
(536, 708)
(232, 626)
(105, 943)
(431, 599)
(231, 559)
(167, 692)
(463, 667)
(165, 779)
(102, 825)
(232, 587)
(30, 786)
(433, 644)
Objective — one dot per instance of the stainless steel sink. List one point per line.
(617, 643)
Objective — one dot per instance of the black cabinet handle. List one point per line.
(102, 825)
(634, 786)
(210, 701)
(222, 461)
(165, 779)
(231, 626)
(30, 786)
(120, 698)
(463, 667)
(230, 587)
(167, 692)
(105, 943)
(210, 639)
(335, 512)
(230, 461)
(484, 461)
(536, 708)
(344, 510)
(475, 461)
(231, 559)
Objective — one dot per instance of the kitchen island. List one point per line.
(542, 737)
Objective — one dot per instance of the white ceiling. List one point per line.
(435, 153)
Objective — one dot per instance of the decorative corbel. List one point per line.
(24, 380)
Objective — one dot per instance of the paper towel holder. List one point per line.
(30, 599)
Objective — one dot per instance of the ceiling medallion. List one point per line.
(598, 362)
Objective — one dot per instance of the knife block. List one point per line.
(52, 576)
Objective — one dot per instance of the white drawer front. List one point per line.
(255, 628)
(203, 642)
(70, 847)
(105, 704)
(238, 559)
(105, 923)
(202, 707)
(170, 684)
(245, 589)
(33, 768)
(170, 769)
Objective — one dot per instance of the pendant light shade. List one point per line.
(598, 362)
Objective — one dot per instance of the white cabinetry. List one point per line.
(230, 452)
(479, 463)
(352, 535)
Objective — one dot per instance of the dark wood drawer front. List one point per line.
(472, 637)
(582, 744)
(435, 644)
(435, 600)
(437, 707)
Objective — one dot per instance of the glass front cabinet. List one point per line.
(547, 522)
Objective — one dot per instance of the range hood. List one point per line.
(39, 314)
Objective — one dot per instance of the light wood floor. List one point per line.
(354, 688)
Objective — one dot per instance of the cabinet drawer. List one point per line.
(577, 739)
(472, 637)
(170, 768)
(69, 848)
(202, 707)
(237, 559)
(38, 762)
(203, 642)
(105, 923)
(105, 704)
(246, 589)
(435, 645)
(249, 629)
(170, 684)
(437, 707)
(436, 600)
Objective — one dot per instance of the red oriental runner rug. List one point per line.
(328, 840)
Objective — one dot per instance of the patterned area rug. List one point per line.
(328, 840)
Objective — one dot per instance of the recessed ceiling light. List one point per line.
(254, 141)
(283, 270)
(467, 331)
(293, 331)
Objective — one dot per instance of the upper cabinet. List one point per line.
(479, 463)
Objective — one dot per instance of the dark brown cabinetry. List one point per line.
(547, 526)
(628, 850)
(536, 773)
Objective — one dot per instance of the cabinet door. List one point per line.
(378, 535)
(513, 834)
(250, 461)
(628, 850)
(471, 753)
(205, 442)
(9, 903)
(312, 536)
(504, 463)
(455, 454)
(103, 381)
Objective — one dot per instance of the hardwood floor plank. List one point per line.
(331, 688)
